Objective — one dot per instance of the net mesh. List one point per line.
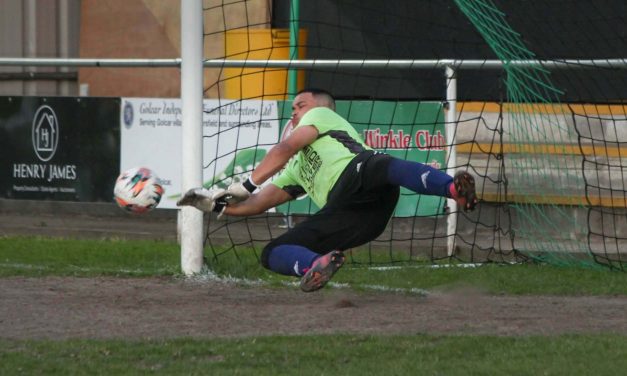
(545, 141)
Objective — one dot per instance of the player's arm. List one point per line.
(273, 162)
(281, 153)
(267, 198)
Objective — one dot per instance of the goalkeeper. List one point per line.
(356, 188)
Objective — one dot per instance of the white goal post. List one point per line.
(190, 220)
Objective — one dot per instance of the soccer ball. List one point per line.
(137, 190)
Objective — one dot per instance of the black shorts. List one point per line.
(357, 211)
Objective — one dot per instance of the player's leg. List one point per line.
(381, 169)
(313, 248)
(418, 177)
(367, 220)
(294, 252)
(297, 260)
(422, 179)
(288, 257)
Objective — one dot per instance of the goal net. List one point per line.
(537, 114)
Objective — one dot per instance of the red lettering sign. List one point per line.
(390, 140)
(425, 140)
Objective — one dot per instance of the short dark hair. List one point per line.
(323, 97)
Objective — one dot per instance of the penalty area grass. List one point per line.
(39, 256)
(322, 354)
(345, 354)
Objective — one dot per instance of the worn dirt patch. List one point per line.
(59, 308)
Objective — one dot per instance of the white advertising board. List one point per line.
(236, 135)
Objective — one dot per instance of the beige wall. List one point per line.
(151, 29)
(45, 29)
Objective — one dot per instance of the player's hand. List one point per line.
(204, 199)
(238, 192)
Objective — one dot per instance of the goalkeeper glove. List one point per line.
(240, 191)
(204, 199)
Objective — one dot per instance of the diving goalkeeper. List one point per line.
(356, 188)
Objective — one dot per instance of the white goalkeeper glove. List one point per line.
(204, 199)
(238, 192)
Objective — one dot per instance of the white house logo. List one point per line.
(128, 114)
(45, 133)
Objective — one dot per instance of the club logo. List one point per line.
(128, 114)
(45, 133)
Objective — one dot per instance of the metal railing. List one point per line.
(319, 64)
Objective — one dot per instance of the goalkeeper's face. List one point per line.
(302, 103)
